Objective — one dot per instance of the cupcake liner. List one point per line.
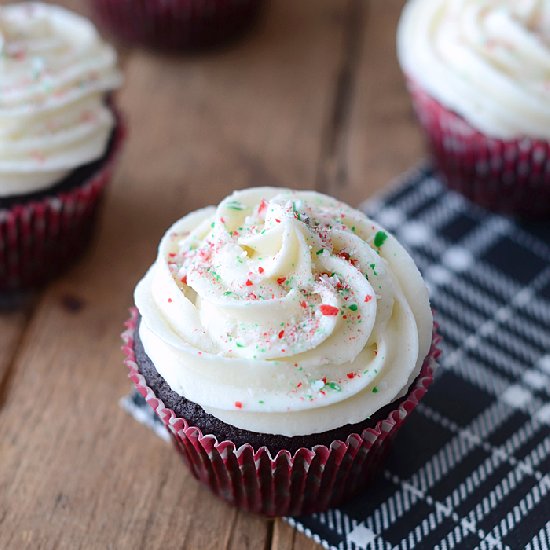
(178, 24)
(39, 238)
(306, 481)
(510, 176)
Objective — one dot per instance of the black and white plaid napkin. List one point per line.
(470, 468)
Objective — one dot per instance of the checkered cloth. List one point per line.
(470, 468)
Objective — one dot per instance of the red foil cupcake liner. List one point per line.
(177, 24)
(310, 480)
(39, 239)
(509, 176)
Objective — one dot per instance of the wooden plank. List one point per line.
(286, 537)
(12, 327)
(377, 137)
(75, 471)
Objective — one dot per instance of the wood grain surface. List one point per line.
(312, 99)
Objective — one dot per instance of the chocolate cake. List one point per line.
(208, 424)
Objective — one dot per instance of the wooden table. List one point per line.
(313, 98)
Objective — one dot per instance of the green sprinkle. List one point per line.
(375, 390)
(235, 205)
(261, 402)
(212, 224)
(239, 345)
(353, 228)
(295, 210)
(353, 307)
(380, 238)
(227, 293)
(373, 267)
(319, 252)
(334, 386)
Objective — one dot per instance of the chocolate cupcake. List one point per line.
(283, 338)
(178, 24)
(478, 72)
(58, 140)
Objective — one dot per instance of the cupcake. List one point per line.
(179, 24)
(283, 338)
(59, 136)
(479, 75)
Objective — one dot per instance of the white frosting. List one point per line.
(54, 74)
(488, 60)
(284, 312)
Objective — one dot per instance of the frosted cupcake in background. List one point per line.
(59, 136)
(177, 24)
(283, 338)
(479, 75)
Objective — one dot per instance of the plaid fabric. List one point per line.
(470, 468)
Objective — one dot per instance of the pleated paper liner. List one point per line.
(509, 176)
(306, 481)
(41, 238)
(178, 24)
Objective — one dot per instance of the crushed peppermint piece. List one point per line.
(235, 205)
(328, 311)
(380, 238)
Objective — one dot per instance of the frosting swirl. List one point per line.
(54, 74)
(284, 312)
(488, 60)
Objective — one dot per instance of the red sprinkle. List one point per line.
(248, 282)
(169, 300)
(350, 375)
(278, 221)
(324, 379)
(172, 254)
(368, 298)
(260, 270)
(281, 280)
(184, 279)
(238, 405)
(303, 304)
(281, 334)
(329, 311)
